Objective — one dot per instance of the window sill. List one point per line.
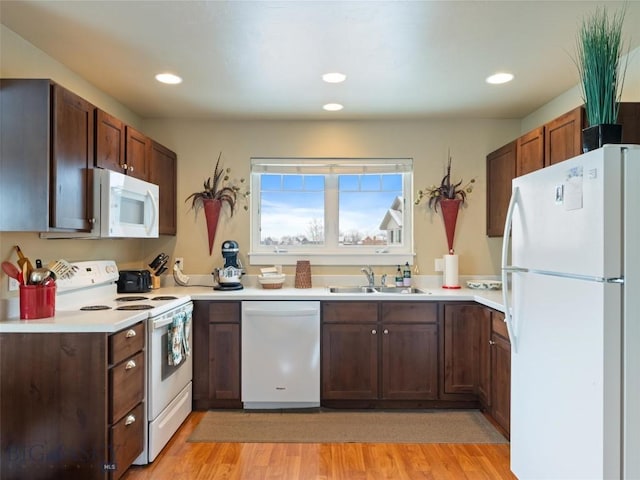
(290, 258)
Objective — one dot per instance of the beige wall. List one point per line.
(198, 145)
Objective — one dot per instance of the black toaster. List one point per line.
(134, 281)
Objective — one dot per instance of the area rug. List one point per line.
(331, 426)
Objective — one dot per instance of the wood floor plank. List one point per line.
(181, 460)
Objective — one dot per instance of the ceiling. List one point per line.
(264, 59)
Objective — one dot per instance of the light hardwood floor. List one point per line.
(181, 460)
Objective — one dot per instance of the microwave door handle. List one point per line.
(155, 211)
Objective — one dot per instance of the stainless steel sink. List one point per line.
(401, 290)
(352, 290)
(378, 289)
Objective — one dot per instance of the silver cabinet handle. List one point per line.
(385, 331)
(130, 364)
(491, 342)
(373, 332)
(129, 420)
(130, 333)
(131, 168)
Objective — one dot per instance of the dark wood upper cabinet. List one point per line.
(563, 137)
(530, 152)
(110, 142)
(46, 156)
(137, 153)
(163, 172)
(629, 118)
(501, 169)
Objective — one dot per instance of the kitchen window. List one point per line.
(332, 211)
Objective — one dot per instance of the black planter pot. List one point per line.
(596, 136)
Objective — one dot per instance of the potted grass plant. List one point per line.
(599, 48)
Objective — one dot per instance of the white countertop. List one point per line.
(109, 321)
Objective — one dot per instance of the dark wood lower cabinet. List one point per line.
(379, 353)
(66, 410)
(216, 355)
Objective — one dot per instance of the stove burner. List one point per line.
(135, 307)
(164, 297)
(131, 299)
(95, 307)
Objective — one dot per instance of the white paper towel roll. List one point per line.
(450, 272)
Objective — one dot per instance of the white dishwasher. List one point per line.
(280, 354)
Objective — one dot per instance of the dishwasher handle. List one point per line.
(302, 312)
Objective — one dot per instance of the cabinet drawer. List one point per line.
(498, 326)
(351, 312)
(224, 312)
(127, 439)
(125, 343)
(126, 384)
(409, 312)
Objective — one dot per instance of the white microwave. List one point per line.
(124, 206)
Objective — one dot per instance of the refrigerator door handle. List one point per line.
(506, 270)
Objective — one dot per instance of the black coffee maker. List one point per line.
(228, 277)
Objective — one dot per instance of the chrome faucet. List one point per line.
(368, 271)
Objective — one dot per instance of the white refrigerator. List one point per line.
(572, 298)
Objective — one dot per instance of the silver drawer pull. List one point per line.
(385, 331)
(130, 364)
(373, 332)
(130, 333)
(130, 419)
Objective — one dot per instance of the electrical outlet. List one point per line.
(439, 265)
(180, 262)
(13, 284)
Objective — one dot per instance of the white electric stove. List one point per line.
(168, 390)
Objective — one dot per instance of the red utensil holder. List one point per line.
(37, 301)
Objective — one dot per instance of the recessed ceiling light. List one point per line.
(499, 78)
(334, 77)
(169, 78)
(333, 107)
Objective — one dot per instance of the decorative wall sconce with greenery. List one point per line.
(217, 190)
(450, 196)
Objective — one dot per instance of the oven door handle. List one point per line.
(162, 322)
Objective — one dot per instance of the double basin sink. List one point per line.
(378, 289)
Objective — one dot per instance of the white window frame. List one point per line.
(332, 253)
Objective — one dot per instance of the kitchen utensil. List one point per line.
(161, 270)
(39, 275)
(62, 269)
(24, 263)
(11, 270)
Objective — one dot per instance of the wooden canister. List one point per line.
(303, 274)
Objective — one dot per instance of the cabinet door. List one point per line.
(501, 169)
(409, 361)
(484, 358)
(460, 348)
(216, 355)
(25, 120)
(72, 158)
(110, 142)
(163, 172)
(349, 361)
(530, 152)
(138, 153)
(224, 361)
(563, 137)
(629, 118)
(501, 381)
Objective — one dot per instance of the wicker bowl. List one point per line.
(271, 282)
